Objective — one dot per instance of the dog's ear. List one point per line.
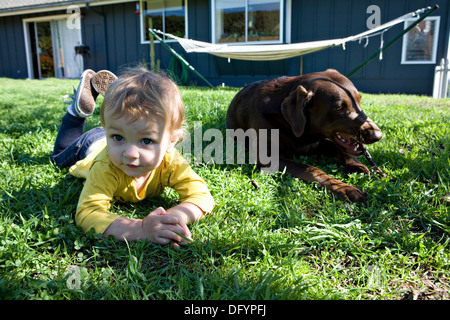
(293, 108)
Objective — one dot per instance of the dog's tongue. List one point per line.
(350, 144)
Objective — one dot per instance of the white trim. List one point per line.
(288, 22)
(26, 36)
(441, 80)
(37, 10)
(61, 7)
(47, 18)
(435, 42)
(213, 20)
(142, 24)
(283, 4)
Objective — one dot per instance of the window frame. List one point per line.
(142, 23)
(404, 60)
(283, 5)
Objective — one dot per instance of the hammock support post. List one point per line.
(182, 60)
(420, 19)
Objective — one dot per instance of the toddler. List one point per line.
(131, 157)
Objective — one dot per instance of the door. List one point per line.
(44, 48)
(52, 49)
(68, 64)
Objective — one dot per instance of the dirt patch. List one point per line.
(428, 289)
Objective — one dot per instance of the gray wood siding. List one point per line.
(12, 48)
(112, 33)
(344, 18)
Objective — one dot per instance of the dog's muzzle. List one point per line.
(353, 142)
(370, 132)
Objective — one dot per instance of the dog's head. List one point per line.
(328, 103)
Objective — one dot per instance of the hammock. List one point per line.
(281, 51)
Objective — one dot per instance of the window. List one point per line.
(247, 21)
(168, 16)
(420, 43)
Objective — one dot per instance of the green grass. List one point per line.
(286, 240)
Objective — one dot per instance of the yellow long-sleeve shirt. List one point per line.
(105, 182)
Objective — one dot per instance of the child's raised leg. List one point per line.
(71, 143)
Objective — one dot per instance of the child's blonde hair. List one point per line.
(141, 93)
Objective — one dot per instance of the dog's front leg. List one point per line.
(351, 164)
(311, 174)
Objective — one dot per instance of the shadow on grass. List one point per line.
(19, 121)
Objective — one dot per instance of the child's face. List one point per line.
(136, 147)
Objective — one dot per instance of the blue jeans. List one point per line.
(71, 143)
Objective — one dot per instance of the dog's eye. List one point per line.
(339, 106)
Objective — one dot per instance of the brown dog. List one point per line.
(317, 113)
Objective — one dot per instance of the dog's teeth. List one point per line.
(340, 138)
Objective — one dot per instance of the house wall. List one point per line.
(329, 19)
(311, 20)
(112, 33)
(12, 48)
(344, 18)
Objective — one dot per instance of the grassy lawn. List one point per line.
(286, 239)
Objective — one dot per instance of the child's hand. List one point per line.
(162, 228)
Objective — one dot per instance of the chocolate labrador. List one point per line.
(317, 113)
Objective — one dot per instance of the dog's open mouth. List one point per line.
(349, 143)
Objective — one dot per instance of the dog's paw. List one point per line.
(347, 192)
(357, 168)
(355, 195)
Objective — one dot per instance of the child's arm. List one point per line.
(186, 212)
(195, 198)
(159, 226)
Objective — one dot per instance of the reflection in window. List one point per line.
(246, 21)
(420, 43)
(168, 16)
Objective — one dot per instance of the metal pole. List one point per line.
(152, 45)
(422, 17)
(180, 58)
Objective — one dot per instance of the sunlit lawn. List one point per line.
(286, 239)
